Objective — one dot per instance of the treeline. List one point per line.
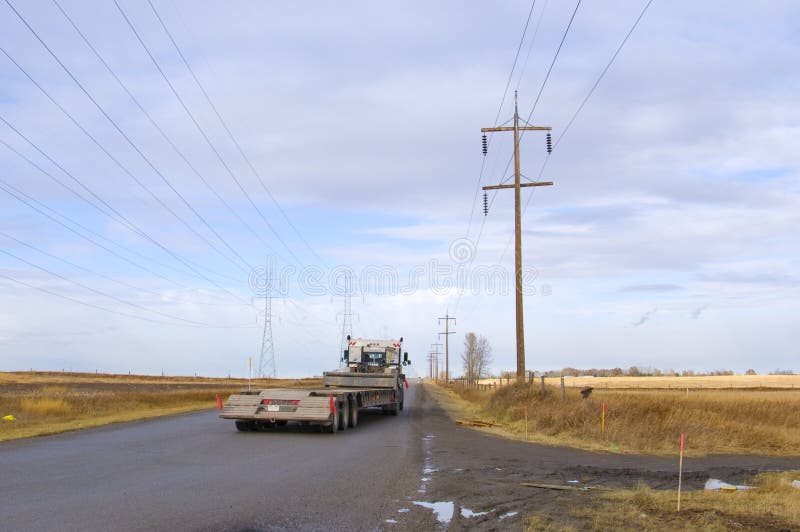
(646, 371)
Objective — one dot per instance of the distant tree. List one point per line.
(750, 372)
(476, 357)
(633, 371)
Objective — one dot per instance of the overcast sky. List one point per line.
(134, 232)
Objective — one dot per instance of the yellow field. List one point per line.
(48, 403)
(675, 383)
(643, 421)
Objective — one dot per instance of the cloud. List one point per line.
(698, 311)
(644, 317)
(658, 287)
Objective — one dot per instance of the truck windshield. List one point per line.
(375, 358)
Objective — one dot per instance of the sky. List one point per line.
(157, 160)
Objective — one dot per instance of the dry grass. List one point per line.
(645, 421)
(773, 505)
(54, 402)
(789, 382)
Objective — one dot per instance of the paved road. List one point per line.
(195, 472)
(417, 471)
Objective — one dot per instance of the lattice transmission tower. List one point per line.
(266, 362)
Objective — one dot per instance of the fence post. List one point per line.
(542, 378)
(563, 390)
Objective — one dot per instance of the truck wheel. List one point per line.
(334, 423)
(353, 413)
(344, 416)
(245, 426)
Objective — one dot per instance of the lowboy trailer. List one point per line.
(373, 378)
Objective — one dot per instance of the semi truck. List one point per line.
(371, 376)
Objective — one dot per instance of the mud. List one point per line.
(472, 478)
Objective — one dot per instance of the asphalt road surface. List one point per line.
(415, 471)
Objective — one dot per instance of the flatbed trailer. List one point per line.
(334, 407)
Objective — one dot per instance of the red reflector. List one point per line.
(295, 402)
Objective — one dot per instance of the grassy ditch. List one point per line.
(641, 421)
(773, 505)
(51, 403)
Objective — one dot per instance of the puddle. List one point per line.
(442, 510)
(426, 479)
(429, 470)
(391, 521)
(466, 512)
(508, 514)
(402, 510)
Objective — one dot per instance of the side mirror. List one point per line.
(348, 337)
(346, 355)
(405, 359)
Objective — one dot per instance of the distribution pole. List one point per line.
(447, 332)
(518, 226)
(435, 348)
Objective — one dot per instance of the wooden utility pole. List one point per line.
(435, 347)
(516, 128)
(447, 332)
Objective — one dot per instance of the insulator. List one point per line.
(549, 143)
(485, 145)
(485, 204)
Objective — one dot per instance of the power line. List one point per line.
(602, 74)
(125, 220)
(152, 121)
(555, 58)
(77, 266)
(91, 305)
(30, 203)
(231, 135)
(131, 143)
(121, 221)
(530, 46)
(122, 301)
(205, 136)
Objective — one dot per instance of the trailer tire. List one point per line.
(333, 426)
(344, 416)
(353, 413)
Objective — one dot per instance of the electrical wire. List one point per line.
(232, 136)
(125, 220)
(205, 136)
(132, 145)
(115, 298)
(158, 128)
(99, 307)
(77, 266)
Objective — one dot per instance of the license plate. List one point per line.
(273, 408)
